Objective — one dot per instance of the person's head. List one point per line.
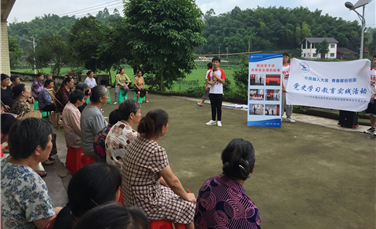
(40, 77)
(48, 76)
(216, 61)
(90, 74)
(99, 95)
(130, 110)
(4, 80)
(77, 98)
(285, 57)
(154, 124)
(139, 73)
(83, 87)
(49, 84)
(114, 117)
(90, 186)
(68, 82)
(121, 70)
(15, 79)
(374, 60)
(20, 91)
(113, 216)
(209, 66)
(30, 137)
(238, 159)
(7, 121)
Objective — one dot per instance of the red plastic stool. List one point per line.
(120, 201)
(164, 224)
(76, 160)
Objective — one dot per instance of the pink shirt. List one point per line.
(72, 129)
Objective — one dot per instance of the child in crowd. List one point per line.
(371, 109)
(209, 66)
(285, 75)
(216, 78)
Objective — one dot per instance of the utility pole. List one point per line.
(34, 45)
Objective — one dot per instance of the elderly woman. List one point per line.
(148, 181)
(139, 84)
(86, 90)
(6, 93)
(121, 82)
(92, 119)
(122, 134)
(71, 120)
(63, 93)
(90, 80)
(46, 103)
(221, 195)
(20, 95)
(37, 85)
(25, 202)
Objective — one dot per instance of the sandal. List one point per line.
(199, 104)
(42, 174)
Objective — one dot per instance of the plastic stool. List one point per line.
(120, 201)
(76, 160)
(36, 105)
(139, 99)
(121, 95)
(109, 98)
(164, 224)
(88, 100)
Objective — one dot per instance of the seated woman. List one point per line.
(15, 79)
(121, 82)
(92, 185)
(113, 216)
(20, 95)
(222, 194)
(148, 181)
(122, 134)
(100, 138)
(46, 103)
(71, 120)
(25, 202)
(139, 84)
(37, 85)
(90, 80)
(92, 119)
(63, 93)
(6, 93)
(86, 90)
(7, 121)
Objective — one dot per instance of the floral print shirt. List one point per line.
(99, 144)
(24, 196)
(20, 107)
(121, 79)
(117, 141)
(36, 87)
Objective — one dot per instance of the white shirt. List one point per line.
(217, 88)
(285, 74)
(90, 82)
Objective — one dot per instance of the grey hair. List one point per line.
(48, 74)
(127, 107)
(98, 92)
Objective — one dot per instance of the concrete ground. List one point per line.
(306, 174)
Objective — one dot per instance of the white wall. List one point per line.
(310, 53)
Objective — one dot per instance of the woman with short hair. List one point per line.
(6, 93)
(139, 84)
(122, 133)
(90, 80)
(20, 94)
(92, 119)
(86, 90)
(148, 181)
(71, 120)
(46, 103)
(121, 82)
(223, 197)
(63, 93)
(25, 202)
(37, 85)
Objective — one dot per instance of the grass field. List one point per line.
(197, 74)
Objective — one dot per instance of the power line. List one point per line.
(90, 8)
(95, 11)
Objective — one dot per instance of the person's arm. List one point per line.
(174, 183)
(283, 87)
(128, 80)
(98, 122)
(135, 84)
(163, 182)
(75, 117)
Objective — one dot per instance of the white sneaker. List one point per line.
(290, 120)
(211, 123)
(219, 123)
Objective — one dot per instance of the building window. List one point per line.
(332, 46)
(331, 54)
(314, 55)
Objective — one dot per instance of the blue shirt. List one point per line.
(44, 99)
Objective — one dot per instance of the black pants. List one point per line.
(216, 106)
(50, 107)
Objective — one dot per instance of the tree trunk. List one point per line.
(162, 89)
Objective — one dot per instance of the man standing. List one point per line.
(371, 109)
(285, 75)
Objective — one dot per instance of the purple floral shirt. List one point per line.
(99, 144)
(223, 203)
(36, 87)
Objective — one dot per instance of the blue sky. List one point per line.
(26, 10)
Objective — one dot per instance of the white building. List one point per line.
(308, 46)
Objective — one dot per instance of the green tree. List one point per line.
(322, 48)
(241, 76)
(163, 35)
(15, 52)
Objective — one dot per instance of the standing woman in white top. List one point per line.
(90, 81)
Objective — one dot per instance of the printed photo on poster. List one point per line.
(256, 94)
(256, 109)
(257, 79)
(272, 95)
(273, 80)
(272, 109)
